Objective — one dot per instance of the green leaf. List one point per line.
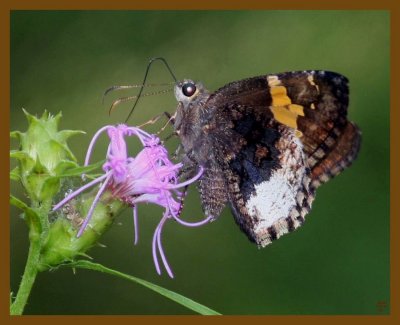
(19, 204)
(15, 174)
(78, 171)
(31, 216)
(182, 300)
(16, 134)
(18, 154)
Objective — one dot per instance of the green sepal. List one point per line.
(31, 216)
(64, 135)
(50, 188)
(24, 159)
(65, 165)
(15, 174)
(16, 134)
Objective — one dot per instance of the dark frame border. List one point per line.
(392, 6)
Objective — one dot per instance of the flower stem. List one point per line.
(28, 278)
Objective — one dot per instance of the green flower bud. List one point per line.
(43, 156)
(62, 244)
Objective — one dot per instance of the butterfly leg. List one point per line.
(182, 201)
(156, 118)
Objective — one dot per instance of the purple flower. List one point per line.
(150, 177)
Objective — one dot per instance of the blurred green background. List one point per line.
(337, 263)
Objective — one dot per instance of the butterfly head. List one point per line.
(188, 91)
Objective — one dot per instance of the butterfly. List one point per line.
(266, 144)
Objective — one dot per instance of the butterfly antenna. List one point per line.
(112, 88)
(145, 78)
(125, 99)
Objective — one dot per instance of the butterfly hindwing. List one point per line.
(265, 171)
(269, 184)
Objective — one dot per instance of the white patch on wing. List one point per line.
(275, 198)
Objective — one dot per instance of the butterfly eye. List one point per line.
(189, 89)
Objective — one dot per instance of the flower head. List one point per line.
(150, 177)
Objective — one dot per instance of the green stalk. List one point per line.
(29, 276)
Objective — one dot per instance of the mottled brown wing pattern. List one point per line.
(314, 103)
(268, 184)
(294, 135)
(330, 140)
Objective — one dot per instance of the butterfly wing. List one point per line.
(317, 103)
(283, 136)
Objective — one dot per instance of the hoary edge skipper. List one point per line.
(266, 144)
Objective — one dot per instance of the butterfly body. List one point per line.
(266, 143)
